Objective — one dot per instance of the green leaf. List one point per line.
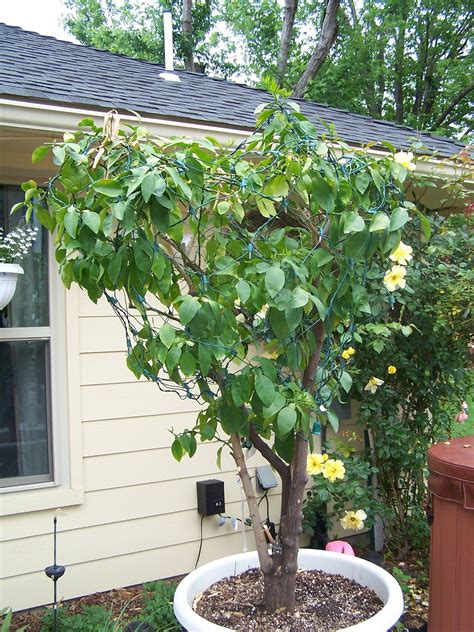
(187, 363)
(177, 449)
(345, 381)
(188, 309)
(243, 291)
(167, 335)
(299, 298)
(274, 280)
(277, 187)
(59, 155)
(70, 221)
(265, 389)
(380, 221)
(172, 358)
(205, 359)
(362, 181)
(148, 186)
(320, 257)
(111, 188)
(425, 225)
(39, 153)
(399, 218)
(115, 266)
(92, 220)
(266, 207)
(353, 223)
(323, 195)
(223, 207)
(333, 420)
(240, 390)
(286, 420)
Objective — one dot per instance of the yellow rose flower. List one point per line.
(395, 278)
(402, 254)
(354, 520)
(373, 384)
(334, 469)
(405, 159)
(347, 353)
(315, 463)
(391, 370)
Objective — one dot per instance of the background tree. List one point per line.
(408, 61)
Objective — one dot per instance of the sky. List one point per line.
(40, 16)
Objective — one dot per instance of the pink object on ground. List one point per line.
(339, 546)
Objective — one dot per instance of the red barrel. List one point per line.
(451, 482)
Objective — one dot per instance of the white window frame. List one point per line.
(67, 486)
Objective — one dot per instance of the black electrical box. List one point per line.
(210, 495)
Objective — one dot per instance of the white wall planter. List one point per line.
(8, 277)
(361, 571)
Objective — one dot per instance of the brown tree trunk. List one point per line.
(324, 45)
(399, 64)
(187, 27)
(289, 13)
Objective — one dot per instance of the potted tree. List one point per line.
(13, 247)
(243, 274)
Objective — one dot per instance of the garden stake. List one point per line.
(54, 572)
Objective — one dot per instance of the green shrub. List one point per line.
(90, 619)
(417, 405)
(158, 606)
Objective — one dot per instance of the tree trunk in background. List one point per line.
(289, 13)
(400, 62)
(188, 35)
(324, 45)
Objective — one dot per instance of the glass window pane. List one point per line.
(24, 412)
(29, 307)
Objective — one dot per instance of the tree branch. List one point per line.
(289, 13)
(278, 464)
(323, 46)
(447, 111)
(257, 523)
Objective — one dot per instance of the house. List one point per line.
(77, 431)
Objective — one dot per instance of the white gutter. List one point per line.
(54, 119)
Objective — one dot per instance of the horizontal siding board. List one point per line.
(112, 436)
(101, 335)
(116, 539)
(105, 368)
(136, 468)
(26, 591)
(122, 504)
(136, 399)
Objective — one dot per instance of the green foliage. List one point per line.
(158, 606)
(90, 619)
(6, 616)
(279, 247)
(418, 404)
(157, 610)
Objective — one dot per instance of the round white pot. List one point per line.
(8, 277)
(361, 571)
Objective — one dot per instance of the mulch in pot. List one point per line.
(324, 603)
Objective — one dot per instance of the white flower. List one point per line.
(354, 519)
(405, 159)
(373, 384)
(402, 254)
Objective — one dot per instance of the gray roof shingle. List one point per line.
(49, 70)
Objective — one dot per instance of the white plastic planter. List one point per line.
(361, 571)
(8, 277)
